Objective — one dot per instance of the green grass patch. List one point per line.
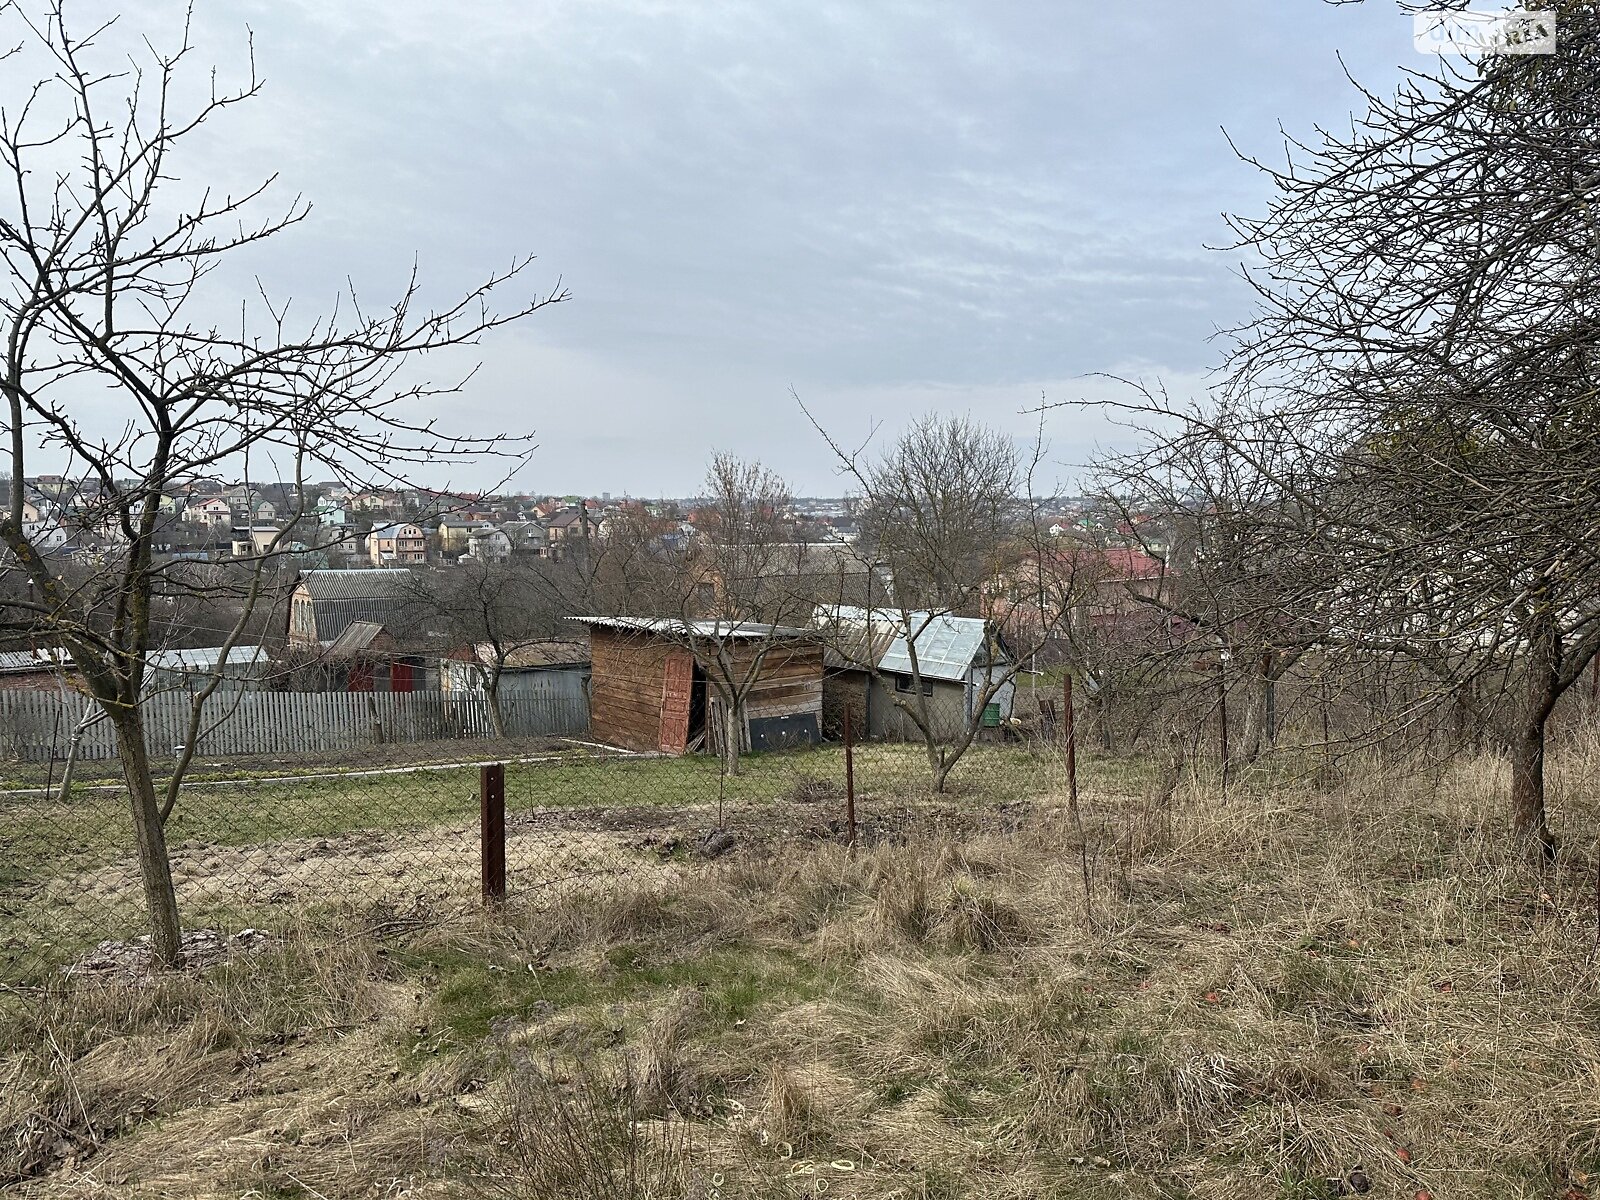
(471, 996)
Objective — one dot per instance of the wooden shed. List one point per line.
(649, 688)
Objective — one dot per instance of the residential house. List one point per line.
(211, 511)
(1099, 591)
(376, 502)
(784, 581)
(453, 531)
(572, 525)
(42, 526)
(400, 544)
(486, 544)
(528, 539)
(255, 540)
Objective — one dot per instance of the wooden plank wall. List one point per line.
(626, 672)
(790, 681)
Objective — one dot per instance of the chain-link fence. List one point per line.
(396, 830)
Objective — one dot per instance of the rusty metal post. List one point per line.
(1222, 715)
(849, 779)
(1070, 728)
(492, 824)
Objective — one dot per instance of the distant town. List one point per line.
(331, 525)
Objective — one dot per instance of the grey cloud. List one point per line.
(886, 205)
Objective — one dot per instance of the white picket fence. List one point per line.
(36, 726)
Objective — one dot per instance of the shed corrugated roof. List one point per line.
(673, 627)
(48, 658)
(947, 646)
(356, 637)
(541, 654)
(201, 658)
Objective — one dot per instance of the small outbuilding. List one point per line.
(245, 668)
(541, 669)
(649, 687)
(870, 661)
(327, 602)
(365, 657)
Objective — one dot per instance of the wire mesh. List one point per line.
(258, 843)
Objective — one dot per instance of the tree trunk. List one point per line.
(497, 716)
(64, 793)
(1100, 707)
(731, 738)
(1525, 744)
(1248, 748)
(149, 835)
(74, 745)
(1527, 787)
(1255, 721)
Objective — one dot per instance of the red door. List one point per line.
(677, 687)
(402, 677)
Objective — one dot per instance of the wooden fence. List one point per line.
(37, 725)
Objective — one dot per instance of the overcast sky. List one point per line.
(889, 207)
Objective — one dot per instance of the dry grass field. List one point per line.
(1290, 992)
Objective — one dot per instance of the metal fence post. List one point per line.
(1222, 715)
(1070, 728)
(492, 825)
(849, 779)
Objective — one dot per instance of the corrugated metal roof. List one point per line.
(673, 627)
(355, 638)
(858, 647)
(947, 646)
(338, 598)
(48, 658)
(374, 584)
(540, 654)
(202, 658)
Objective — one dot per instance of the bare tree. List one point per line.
(1413, 398)
(108, 284)
(949, 511)
(493, 610)
(1238, 592)
(728, 614)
